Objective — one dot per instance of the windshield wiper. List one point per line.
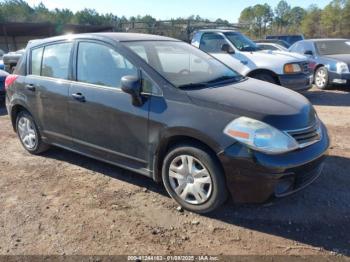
(193, 85)
(223, 79)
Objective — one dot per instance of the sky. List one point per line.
(166, 9)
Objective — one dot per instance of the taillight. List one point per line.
(9, 80)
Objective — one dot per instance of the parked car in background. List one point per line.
(243, 55)
(274, 41)
(3, 75)
(10, 59)
(290, 39)
(331, 60)
(271, 46)
(165, 109)
(2, 52)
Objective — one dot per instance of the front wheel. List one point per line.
(194, 179)
(321, 78)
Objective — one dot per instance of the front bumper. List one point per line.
(339, 79)
(254, 177)
(296, 82)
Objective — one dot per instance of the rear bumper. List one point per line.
(254, 177)
(339, 79)
(296, 82)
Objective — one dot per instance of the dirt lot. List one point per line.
(63, 203)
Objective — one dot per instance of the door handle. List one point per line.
(30, 87)
(79, 97)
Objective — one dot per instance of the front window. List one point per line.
(101, 65)
(241, 42)
(333, 47)
(182, 64)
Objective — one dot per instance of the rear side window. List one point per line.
(37, 55)
(101, 65)
(212, 43)
(56, 60)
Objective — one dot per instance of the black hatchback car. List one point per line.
(169, 111)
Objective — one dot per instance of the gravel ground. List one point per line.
(63, 203)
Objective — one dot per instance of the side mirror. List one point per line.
(132, 86)
(227, 49)
(308, 52)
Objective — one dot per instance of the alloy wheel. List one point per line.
(190, 179)
(27, 133)
(321, 78)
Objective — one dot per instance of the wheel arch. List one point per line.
(317, 67)
(264, 71)
(15, 110)
(170, 142)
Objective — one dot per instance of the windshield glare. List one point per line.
(182, 64)
(241, 42)
(333, 47)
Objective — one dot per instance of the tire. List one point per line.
(265, 77)
(29, 135)
(321, 78)
(206, 181)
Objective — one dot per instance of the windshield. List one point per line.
(291, 39)
(183, 65)
(241, 42)
(333, 47)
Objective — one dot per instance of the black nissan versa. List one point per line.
(167, 110)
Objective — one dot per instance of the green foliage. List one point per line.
(259, 17)
(259, 20)
(332, 21)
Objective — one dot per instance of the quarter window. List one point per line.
(56, 60)
(102, 65)
(37, 55)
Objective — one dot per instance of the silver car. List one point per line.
(330, 59)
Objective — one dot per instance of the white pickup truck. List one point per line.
(242, 54)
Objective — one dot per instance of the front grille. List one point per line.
(307, 136)
(305, 67)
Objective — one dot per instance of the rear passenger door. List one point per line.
(47, 87)
(104, 122)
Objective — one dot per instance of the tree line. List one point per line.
(257, 21)
(331, 21)
(21, 11)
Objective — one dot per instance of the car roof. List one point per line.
(117, 37)
(325, 39)
(217, 30)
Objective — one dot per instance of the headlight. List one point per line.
(260, 136)
(292, 68)
(342, 68)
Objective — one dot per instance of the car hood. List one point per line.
(340, 57)
(275, 56)
(272, 104)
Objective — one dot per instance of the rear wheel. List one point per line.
(321, 78)
(194, 179)
(265, 77)
(29, 134)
